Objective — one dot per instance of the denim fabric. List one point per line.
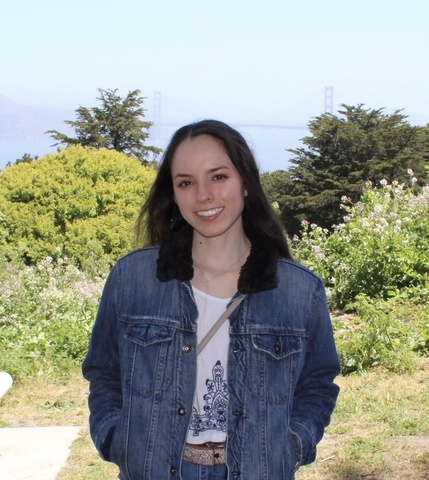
(191, 471)
(199, 472)
(141, 366)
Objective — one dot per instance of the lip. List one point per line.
(209, 213)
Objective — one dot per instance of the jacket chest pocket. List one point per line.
(151, 358)
(273, 364)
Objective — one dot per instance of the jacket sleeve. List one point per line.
(316, 393)
(101, 368)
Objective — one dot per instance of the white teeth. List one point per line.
(209, 213)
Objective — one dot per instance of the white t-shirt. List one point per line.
(209, 412)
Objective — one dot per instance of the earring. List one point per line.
(174, 213)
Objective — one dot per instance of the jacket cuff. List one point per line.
(305, 442)
(103, 439)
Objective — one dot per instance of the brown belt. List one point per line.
(207, 454)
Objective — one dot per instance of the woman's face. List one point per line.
(207, 187)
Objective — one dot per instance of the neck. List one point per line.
(218, 254)
(217, 265)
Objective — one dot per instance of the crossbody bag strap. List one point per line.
(219, 323)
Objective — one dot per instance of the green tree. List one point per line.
(341, 155)
(278, 185)
(116, 125)
(26, 158)
(80, 203)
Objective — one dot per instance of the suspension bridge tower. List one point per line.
(329, 99)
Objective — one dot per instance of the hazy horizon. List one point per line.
(241, 62)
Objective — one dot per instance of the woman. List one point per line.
(254, 402)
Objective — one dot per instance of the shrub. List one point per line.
(84, 201)
(381, 333)
(381, 250)
(46, 315)
(376, 265)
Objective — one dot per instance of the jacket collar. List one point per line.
(257, 274)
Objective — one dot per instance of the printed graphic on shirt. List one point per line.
(216, 405)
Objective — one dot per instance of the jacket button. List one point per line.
(235, 473)
(277, 348)
(181, 411)
(173, 470)
(186, 348)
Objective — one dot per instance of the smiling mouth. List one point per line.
(209, 213)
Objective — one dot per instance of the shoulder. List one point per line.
(140, 259)
(140, 253)
(135, 268)
(291, 269)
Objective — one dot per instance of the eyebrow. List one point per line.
(212, 170)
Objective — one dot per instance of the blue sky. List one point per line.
(239, 61)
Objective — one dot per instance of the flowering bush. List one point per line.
(381, 250)
(376, 259)
(46, 314)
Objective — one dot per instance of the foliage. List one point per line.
(116, 125)
(341, 155)
(376, 264)
(46, 314)
(278, 186)
(81, 203)
(381, 250)
(382, 333)
(26, 158)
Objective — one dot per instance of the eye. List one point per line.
(184, 183)
(220, 176)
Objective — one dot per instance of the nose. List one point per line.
(204, 192)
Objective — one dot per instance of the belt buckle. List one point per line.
(216, 450)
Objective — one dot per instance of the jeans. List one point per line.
(190, 471)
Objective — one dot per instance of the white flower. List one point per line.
(318, 252)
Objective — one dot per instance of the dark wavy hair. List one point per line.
(159, 214)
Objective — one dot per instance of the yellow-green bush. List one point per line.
(79, 203)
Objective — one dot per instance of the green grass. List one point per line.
(379, 431)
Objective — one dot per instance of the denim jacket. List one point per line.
(142, 359)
